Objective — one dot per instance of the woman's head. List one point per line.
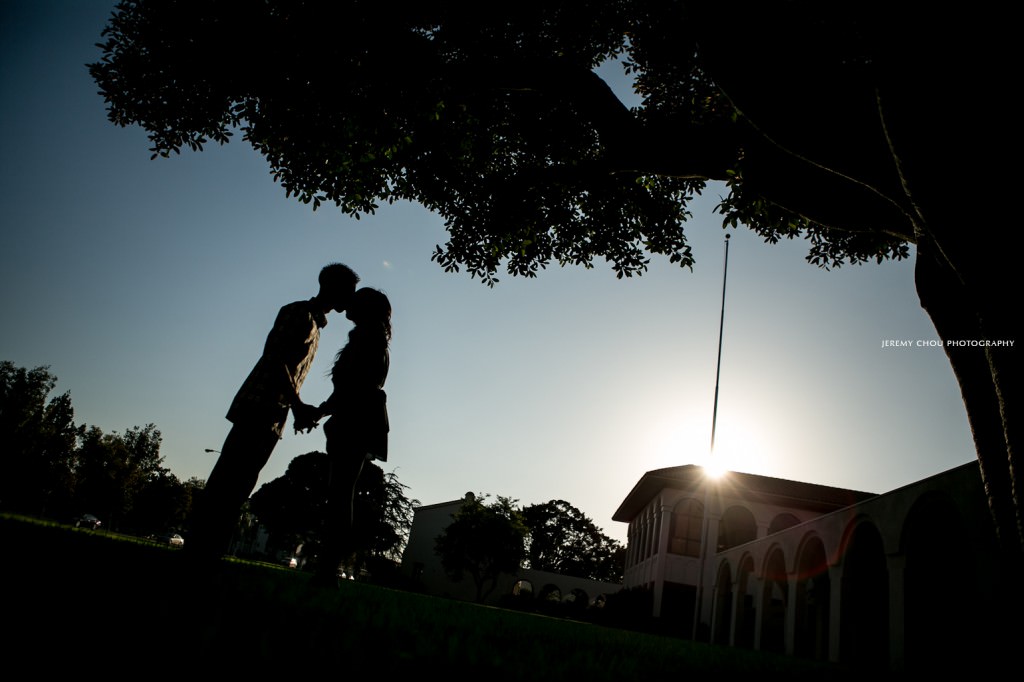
(370, 306)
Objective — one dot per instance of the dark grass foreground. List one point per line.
(91, 602)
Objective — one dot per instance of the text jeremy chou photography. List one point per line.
(939, 343)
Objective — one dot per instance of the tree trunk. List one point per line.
(961, 286)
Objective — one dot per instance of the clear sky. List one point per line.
(148, 287)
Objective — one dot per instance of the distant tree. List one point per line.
(114, 470)
(52, 467)
(192, 490)
(194, 487)
(382, 515)
(162, 503)
(39, 439)
(562, 539)
(483, 541)
(292, 507)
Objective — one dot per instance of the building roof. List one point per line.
(752, 487)
(438, 505)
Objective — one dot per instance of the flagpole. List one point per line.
(714, 419)
(721, 328)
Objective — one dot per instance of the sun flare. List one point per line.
(741, 448)
(742, 443)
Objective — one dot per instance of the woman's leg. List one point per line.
(336, 540)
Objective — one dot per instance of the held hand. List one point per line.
(305, 418)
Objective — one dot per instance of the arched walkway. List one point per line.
(745, 609)
(813, 596)
(937, 614)
(774, 601)
(864, 607)
(550, 593)
(723, 606)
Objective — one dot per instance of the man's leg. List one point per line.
(244, 454)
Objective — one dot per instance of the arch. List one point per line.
(773, 602)
(864, 600)
(685, 528)
(522, 588)
(746, 609)
(577, 599)
(736, 527)
(782, 522)
(812, 598)
(722, 616)
(937, 613)
(551, 593)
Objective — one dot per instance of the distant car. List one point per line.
(88, 521)
(172, 539)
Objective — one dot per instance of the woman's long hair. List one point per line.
(370, 310)
(370, 307)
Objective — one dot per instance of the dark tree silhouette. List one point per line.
(292, 508)
(53, 468)
(859, 126)
(484, 541)
(163, 504)
(114, 473)
(562, 539)
(381, 500)
(40, 442)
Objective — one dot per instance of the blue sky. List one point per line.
(148, 287)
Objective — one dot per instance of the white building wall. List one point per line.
(887, 514)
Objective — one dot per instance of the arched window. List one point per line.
(687, 519)
(782, 522)
(736, 527)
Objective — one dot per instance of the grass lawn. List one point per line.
(93, 602)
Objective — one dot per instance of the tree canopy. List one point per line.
(55, 468)
(40, 441)
(292, 507)
(483, 541)
(116, 470)
(855, 125)
(562, 539)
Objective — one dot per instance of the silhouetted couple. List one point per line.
(356, 431)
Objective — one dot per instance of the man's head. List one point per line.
(337, 284)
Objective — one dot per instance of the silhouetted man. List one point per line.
(260, 409)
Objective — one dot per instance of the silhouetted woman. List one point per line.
(357, 429)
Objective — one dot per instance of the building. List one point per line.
(903, 580)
